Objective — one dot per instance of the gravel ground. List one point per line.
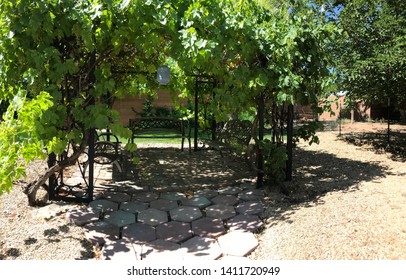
(348, 202)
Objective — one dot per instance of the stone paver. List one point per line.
(82, 216)
(251, 194)
(185, 213)
(162, 250)
(208, 227)
(133, 206)
(101, 232)
(174, 231)
(173, 195)
(201, 247)
(208, 193)
(226, 199)
(152, 217)
(139, 232)
(197, 201)
(220, 211)
(104, 205)
(117, 197)
(237, 243)
(163, 204)
(250, 208)
(230, 190)
(146, 196)
(122, 250)
(245, 223)
(120, 218)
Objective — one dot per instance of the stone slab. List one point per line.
(226, 199)
(100, 232)
(208, 193)
(230, 190)
(104, 205)
(117, 197)
(185, 213)
(208, 227)
(120, 218)
(52, 210)
(250, 208)
(82, 216)
(197, 201)
(139, 233)
(249, 223)
(172, 195)
(152, 217)
(201, 247)
(174, 231)
(133, 206)
(237, 243)
(251, 194)
(220, 211)
(146, 196)
(163, 204)
(162, 250)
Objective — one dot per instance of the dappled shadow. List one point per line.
(315, 175)
(380, 142)
(163, 168)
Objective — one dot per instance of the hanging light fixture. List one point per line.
(164, 75)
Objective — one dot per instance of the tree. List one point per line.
(62, 62)
(370, 54)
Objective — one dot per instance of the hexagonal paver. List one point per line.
(185, 214)
(122, 250)
(201, 247)
(225, 199)
(237, 243)
(82, 216)
(245, 223)
(197, 201)
(146, 196)
(220, 211)
(230, 190)
(101, 232)
(117, 196)
(208, 227)
(172, 195)
(251, 194)
(139, 232)
(208, 193)
(162, 250)
(163, 204)
(104, 205)
(120, 218)
(174, 231)
(133, 206)
(152, 217)
(250, 208)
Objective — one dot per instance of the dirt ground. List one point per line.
(347, 201)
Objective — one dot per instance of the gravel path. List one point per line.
(349, 203)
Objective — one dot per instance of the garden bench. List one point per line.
(107, 150)
(170, 127)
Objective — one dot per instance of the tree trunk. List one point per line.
(31, 188)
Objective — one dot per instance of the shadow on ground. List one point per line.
(381, 142)
(315, 175)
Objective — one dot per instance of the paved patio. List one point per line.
(174, 205)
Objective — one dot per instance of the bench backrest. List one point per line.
(149, 124)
